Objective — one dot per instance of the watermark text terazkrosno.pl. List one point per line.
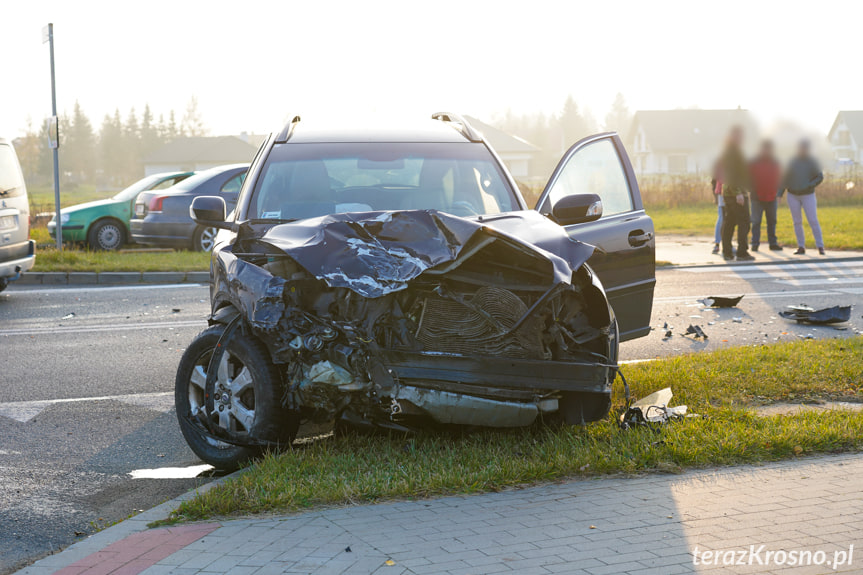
(761, 555)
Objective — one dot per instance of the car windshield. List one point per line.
(317, 179)
(142, 185)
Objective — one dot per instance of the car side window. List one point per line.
(233, 185)
(164, 185)
(10, 176)
(595, 169)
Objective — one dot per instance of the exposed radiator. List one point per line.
(478, 325)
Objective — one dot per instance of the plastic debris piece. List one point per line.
(737, 319)
(348, 549)
(68, 315)
(668, 335)
(389, 562)
(804, 313)
(717, 301)
(696, 331)
(652, 409)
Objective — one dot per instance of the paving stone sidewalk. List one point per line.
(809, 509)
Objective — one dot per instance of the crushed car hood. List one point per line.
(376, 253)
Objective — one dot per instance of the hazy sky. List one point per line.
(252, 64)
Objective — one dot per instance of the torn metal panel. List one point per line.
(806, 314)
(376, 253)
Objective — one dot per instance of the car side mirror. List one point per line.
(210, 211)
(577, 209)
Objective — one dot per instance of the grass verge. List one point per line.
(722, 386)
(839, 224)
(51, 260)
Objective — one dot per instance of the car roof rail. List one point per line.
(286, 132)
(463, 125)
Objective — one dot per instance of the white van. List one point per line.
(17, 250)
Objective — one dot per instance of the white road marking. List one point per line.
(170, 472)
(751, 295)
(93, 288)
(831, 280)
(24, 411)
(63, 329)
(736, 271)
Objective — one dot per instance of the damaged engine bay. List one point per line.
(408, 319)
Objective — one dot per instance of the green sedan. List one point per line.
(104, 224)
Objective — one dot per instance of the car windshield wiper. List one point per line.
(270, 221)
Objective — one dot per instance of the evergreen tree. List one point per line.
(28, 150)
(79, 154)
(173, 132)
(150, 137)
(193, 124)
(111, 143)
(619, 117)
(572, 123)
(132, 147)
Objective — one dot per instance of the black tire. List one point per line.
(106, 235)
(204, 239)
(253, 409)
(4, 283)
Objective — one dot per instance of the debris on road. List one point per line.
(696, 331)
(804, 313)
(716, 301)
(652, 409)
(737, 319)
(69, 315)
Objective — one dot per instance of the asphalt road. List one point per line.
(65, 457)
(86, 378)
(766, 290)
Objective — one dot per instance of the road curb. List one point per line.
(98, 541)
(112, 278)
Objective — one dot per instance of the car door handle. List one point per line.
(638, 238)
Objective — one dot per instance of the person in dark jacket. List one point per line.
(766, 176)
(801, 178)
(735, 192)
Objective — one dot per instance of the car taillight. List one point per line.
(156, 204)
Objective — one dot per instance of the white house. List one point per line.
(846, 137)
(198, 153)
(683, 141)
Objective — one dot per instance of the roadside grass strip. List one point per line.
(840, 224)
(74, 260)
(724, 387)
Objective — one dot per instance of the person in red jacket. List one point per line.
(765, 173)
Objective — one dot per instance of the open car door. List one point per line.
(624, 237)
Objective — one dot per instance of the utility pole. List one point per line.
(54, 136)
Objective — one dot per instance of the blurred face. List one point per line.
(735, 137)
(767, 149)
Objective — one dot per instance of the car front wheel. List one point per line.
(246, 404)
(106, 235)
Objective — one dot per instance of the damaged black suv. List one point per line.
(394, 277)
